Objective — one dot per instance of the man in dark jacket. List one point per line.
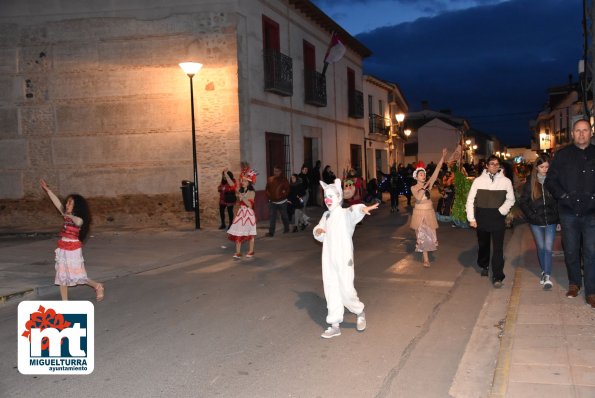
(276, 190)
(571, 180)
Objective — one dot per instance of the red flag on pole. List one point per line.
(334, 53)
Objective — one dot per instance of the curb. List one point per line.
(17, 295)
(501, 374)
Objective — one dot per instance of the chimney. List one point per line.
(425, 105)
(570, 79)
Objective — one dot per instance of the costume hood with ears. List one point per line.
(333, 194)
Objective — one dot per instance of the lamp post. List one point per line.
(399, 117)
(191, 69)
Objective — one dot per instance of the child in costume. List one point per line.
(70, 264)
(243, 227)
(423, 219)
(335, 231)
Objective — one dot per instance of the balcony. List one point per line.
(356, 104)
(315, 87)
(377, 125)
(278, 73)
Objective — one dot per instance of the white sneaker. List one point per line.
(331, 332)
(547, 283)
(541, 278)
(361, 322)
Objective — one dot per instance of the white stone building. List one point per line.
(432, 131)
(93, 100)
(385, 137)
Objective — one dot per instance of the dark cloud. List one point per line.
(491, 64)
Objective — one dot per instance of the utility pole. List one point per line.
(587, 64)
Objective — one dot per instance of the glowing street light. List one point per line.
(191, 69)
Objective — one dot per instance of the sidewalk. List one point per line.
(548, 343)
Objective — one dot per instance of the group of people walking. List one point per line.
(559, 191)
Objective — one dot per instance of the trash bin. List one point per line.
(187, 194)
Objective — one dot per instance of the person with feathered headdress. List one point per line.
(423, 219)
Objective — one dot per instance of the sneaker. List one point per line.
(547, 283)
(331, 332)
(269, 235)
(250, 255)
(573, 291)
(497, 284)
(222, 226)
(542, 278)
(361, 322)
(237, 256)
(484, 272)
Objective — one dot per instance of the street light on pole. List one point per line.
(191, 69)
(399, 117)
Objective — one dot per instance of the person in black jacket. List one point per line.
(571, 180)
(540, 209)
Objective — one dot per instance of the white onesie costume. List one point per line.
(337, 253)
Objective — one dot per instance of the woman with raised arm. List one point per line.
(423, 219)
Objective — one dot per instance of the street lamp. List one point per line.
(399, 117)
(191, 69)
(407, 132)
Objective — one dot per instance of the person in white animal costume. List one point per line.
(335, 231)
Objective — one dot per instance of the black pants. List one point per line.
(496, 238)
(229, 213)
(282, 208)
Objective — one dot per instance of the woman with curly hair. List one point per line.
(70, 264)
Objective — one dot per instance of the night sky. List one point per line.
(488, 61)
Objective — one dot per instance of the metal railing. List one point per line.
(377, 125)
(356, 104)
(315, 88)
(278, 73)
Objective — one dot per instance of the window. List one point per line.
(356, 157)
(309, 56)
(277, 147)
(270, 34)
(370, 105)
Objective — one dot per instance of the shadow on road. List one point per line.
(314, 304)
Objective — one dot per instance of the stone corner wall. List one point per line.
(99, 106)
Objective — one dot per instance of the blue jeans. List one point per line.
(544, 240)
(578, 237)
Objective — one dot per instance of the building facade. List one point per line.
(385, 139)
(432, 131)
(94, 101)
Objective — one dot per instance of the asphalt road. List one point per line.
(214, 327)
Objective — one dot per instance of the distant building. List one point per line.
(553, 126)
(432, 131)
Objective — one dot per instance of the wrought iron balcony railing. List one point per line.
(315, 88)
(278, 73)
(378, 125)
(356, 104)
